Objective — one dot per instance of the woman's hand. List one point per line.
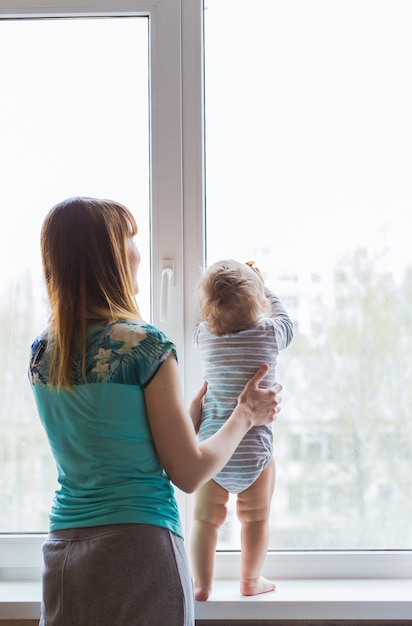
(196, 407)
(263, 404)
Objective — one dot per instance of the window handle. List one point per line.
(167, 281)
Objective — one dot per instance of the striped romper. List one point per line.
(229, 362)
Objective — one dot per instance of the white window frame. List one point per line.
(177, 188)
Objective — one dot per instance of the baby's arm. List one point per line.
(283, 323)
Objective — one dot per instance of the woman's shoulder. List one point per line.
(135, 337)
(133, 332)
(126, 351)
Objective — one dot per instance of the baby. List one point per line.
(243, 325)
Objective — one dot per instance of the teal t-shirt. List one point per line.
(107, 465)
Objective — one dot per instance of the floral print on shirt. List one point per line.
(125, 352)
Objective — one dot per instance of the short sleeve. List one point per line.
(123, 352)
(154, 351)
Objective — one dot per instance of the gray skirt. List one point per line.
(117, 575)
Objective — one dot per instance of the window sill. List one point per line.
(20, 599)
(313, 599)
(356, 599)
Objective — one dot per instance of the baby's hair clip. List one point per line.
(250, 263)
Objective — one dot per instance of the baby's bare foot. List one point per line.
(254, 586)
(202, 593)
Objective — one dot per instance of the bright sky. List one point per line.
(73, 121)
(309, 129)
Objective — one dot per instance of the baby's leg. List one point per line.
(209, 514)
(253, 507)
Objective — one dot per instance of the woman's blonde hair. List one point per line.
(86, 269)
(231, 297)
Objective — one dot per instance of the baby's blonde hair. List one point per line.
(231, 297)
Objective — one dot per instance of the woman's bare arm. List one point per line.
(187, 462)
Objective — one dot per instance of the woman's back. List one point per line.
(108, 468)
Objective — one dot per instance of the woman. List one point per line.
(108, 393)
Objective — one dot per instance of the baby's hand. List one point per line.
(255, 269)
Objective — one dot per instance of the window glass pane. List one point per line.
(308, 170)
(73, 121)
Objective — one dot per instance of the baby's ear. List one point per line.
(265, 305)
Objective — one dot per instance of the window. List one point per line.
(112, 134)
(308, 162)
(323, 304)
(74, 122)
